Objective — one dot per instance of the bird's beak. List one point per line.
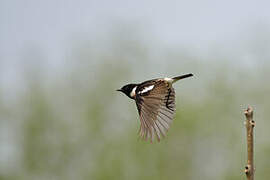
(119, 90)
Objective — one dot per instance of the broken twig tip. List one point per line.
(249, 112)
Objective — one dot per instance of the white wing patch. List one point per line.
(149, 88)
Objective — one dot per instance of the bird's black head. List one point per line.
(127, 89)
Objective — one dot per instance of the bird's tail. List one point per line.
(177, 78)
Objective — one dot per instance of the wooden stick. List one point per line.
(250, 124)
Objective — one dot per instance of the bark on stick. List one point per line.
(250, 124)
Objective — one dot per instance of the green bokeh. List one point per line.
(76, 126)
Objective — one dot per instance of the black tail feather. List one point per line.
(182, 76)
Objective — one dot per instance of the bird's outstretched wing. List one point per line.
(156, 105)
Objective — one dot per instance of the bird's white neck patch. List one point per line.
(133, 93)
(147, 89)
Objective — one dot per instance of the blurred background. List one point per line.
(61, 62)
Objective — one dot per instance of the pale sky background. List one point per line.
(50, 26)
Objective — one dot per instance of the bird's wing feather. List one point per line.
(156, 109)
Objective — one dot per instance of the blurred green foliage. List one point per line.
(74, 125)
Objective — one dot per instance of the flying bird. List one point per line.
(155, 100)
